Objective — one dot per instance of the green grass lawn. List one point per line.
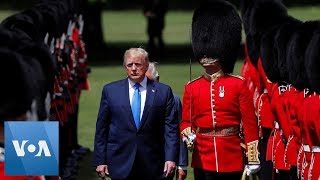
(130, 26)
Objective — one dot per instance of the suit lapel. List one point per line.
(151, 92)
(127, 99)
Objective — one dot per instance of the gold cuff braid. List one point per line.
(186, 131)
(189, 137)
(253, 153)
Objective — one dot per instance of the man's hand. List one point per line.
(189, 137)
(252, 169)
(102, 171)
(169, 167)
(181, 174)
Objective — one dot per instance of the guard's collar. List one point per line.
(213, 77)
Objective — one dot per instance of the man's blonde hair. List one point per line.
(135, 53)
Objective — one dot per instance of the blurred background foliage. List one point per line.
(137, 4)
(111, 26)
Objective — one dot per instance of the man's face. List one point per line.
(136, 68)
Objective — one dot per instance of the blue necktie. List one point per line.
(136, 104)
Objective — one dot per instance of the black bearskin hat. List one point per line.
(296, 49)
(312, 63)
(216, 33)
(252, 49)
(17, 95)
(269, 55)
(245, 11)
(264, 15)
(282, 38)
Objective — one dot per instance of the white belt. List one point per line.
(276, 125)
(316, 149)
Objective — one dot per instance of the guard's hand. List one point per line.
(181, 174)
(189, 137)
(252, 169)
(102, 171)
(169, 168)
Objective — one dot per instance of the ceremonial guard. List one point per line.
(218, 105)
(256, 24)
(309, 156)
(276, 92)
(292, 96)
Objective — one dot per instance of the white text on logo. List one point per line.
(42, 144)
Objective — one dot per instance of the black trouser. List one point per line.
(294, 173)
(200, 174)
(136, 173)
(282, 175)
(265, 172)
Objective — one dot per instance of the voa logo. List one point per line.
(29, 151)
(41, 148)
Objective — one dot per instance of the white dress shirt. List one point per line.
(143, 92)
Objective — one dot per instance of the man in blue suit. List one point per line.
(137, 134)
(181, 172)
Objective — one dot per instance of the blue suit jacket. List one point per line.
(183, 153)
(119, 144)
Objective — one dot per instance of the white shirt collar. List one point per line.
(143, 83)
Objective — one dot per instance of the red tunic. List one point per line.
(265, 115)
(250, 73)
(221, 102)
(310, 164)
(278, 153)
(265, 83)
(278, 108)
(278, 99)
(294, 103)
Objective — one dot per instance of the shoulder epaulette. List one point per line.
(237, 76)
(194, 79)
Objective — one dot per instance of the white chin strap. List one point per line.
(207, 61)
